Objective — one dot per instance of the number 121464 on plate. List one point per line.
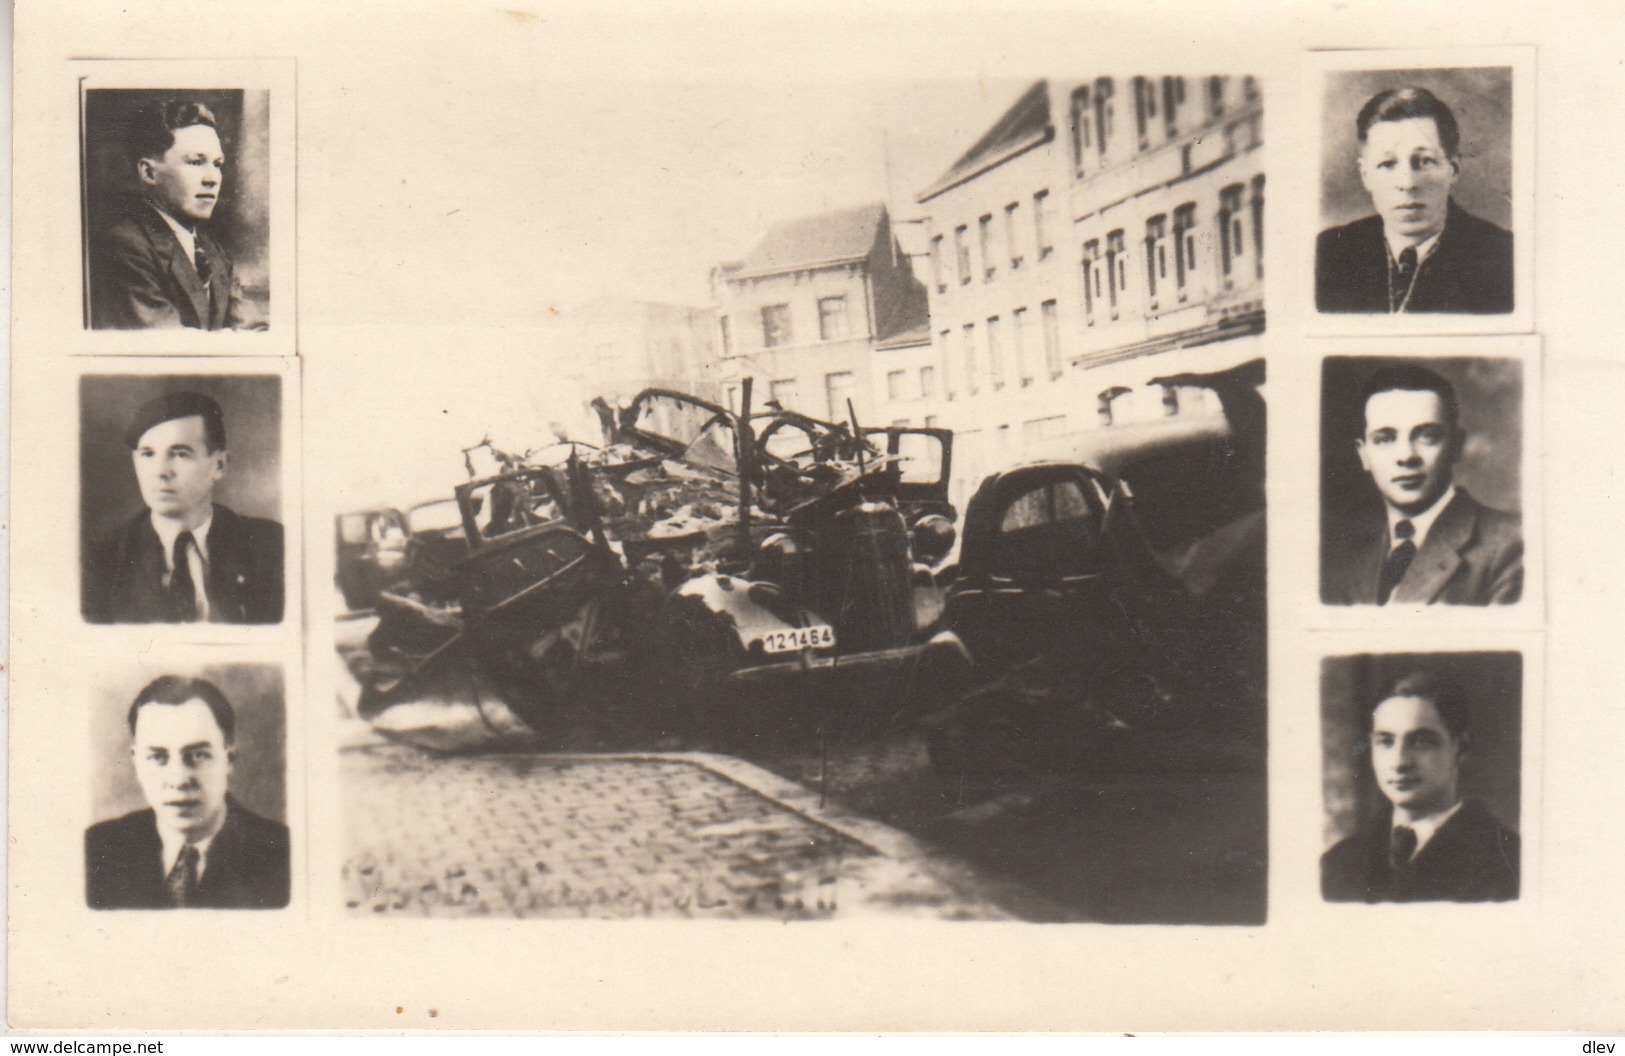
(817, 636)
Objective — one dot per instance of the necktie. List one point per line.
(1404, 280)
(205, 267)
(1401, 846)
(182, 588)
(182, 880)
(205, 272)
(1399, 559)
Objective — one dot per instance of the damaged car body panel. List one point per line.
(1112, 586)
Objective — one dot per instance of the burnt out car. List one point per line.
(701, 568)
(1111, 592)
(380, 549)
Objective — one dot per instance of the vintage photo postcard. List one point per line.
(786, 519)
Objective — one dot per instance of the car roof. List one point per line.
(1114, 449)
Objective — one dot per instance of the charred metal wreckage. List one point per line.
(726, 565)
(710, 572)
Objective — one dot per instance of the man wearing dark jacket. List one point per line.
(195, 846)
(159, 266)
(185, 558)
(1429, 845)
(1421, 252)
(1430, 542)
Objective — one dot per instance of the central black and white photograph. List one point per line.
(881, 533)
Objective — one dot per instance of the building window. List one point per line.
(1156, 255)
(1018, 338)
(833, 324)
(1041, 224)
(1215, 97)
(727, 335)
(775, 325)
(895, 380)
(783, 392)
(984, 232)
(943, 340)
(1082, 128)
(1116, 270)
(1230, 229)
(1011, 235)
(973, 381)
(1185, 247)
(1173, 97)
(1052, 338)
(962, 255)
(838, 390)
(936, 265)
(1145, 109)
(1104, 113)
(1093, 289)
(928, 382)
(1258, 223)
(1249, 89)
(995, 354)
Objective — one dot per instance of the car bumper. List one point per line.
(943, 656)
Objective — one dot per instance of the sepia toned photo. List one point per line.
(1422, 777)
(754, 518)
(189, 790)
(1420, 481)
(176, 192)
(180, 497)
(913, 565)
(1416, 192)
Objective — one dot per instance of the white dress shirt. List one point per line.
(1421, 523)
(1425, 828)
(187, 238)
(174, 843)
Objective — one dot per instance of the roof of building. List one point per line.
(1026, 122)
(815, 241)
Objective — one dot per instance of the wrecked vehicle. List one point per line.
(698, 568)
(1111, 592)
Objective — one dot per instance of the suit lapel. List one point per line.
(226, 578)
(179, 265)
(220, 282)
(145, 580)
(1368, 549)
(1441, 552)
(215, 887)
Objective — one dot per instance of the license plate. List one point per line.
(818, 636)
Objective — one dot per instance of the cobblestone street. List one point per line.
(614, 836)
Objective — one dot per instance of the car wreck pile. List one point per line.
(700, 569)
(708, 576)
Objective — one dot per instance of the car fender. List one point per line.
(731, 598)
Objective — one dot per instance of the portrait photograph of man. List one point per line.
(1420, 481)
(179, 499)
(1421, 777)
(191, 793)
(1416, 192)
(176, 189)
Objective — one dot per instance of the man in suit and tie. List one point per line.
(185, 558)
(1431, 543)
(1428, 844)
(160, 267)
(194, 845)
(1420, 251)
